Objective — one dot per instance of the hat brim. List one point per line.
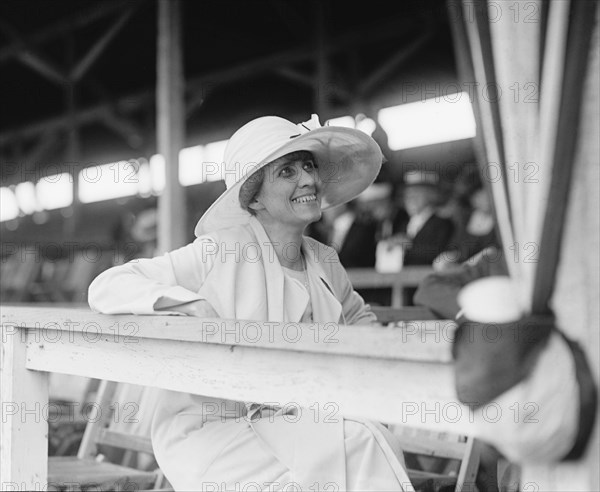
(348, 159)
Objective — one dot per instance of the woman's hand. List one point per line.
(199, 309)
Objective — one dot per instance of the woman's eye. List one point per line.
(287, 172)
(310, 165)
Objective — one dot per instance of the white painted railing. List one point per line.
(395, 375)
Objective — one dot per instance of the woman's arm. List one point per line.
(166, 284)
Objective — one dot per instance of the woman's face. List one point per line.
(290, 195)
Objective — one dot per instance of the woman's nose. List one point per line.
(308, 178)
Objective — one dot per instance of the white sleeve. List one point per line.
(151, 286)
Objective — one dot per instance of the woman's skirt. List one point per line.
(218, 445)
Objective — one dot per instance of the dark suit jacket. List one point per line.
(430, 241)
(358, 249)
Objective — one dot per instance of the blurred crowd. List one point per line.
(416, 223)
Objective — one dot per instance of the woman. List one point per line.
(251, 261)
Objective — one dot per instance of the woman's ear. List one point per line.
(255, 204)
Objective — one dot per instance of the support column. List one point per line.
(73, 152)
(322, 89)
(170, 125)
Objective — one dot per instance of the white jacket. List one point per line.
(237, 271)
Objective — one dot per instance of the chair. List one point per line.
(105, 435)
(439, 461)
(435, 461)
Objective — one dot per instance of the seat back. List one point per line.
(122, 421)
(116, 450)
(450, 459)
(442, 457)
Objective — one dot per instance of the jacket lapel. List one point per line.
(326, 306)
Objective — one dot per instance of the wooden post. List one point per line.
(170, 125)
(24, 426)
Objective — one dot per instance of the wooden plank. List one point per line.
(426, 340)
(431, 446)
(24, 430)
(88, 448)
(470, 464)
(77, 474)
(369, 278)
(387, 390)
(408, 313)
(125, 441)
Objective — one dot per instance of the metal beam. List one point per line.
(83, 117)
(296, 76)
(197, 86)
(123, 127)
(309, 80)
(99, 11)
(48, 142)
(96, 50)
(295, 24)
(33, 59)
(393, 63)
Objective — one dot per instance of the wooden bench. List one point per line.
(399, 375)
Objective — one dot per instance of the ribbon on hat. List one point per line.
(309, 125)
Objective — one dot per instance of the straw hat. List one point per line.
(348, 159)
(421, 178)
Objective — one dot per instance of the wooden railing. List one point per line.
(397, 375)
(367, 278)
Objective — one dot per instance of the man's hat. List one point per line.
(421, 178)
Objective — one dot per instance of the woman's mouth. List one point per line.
(305, 198)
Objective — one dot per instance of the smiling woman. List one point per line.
(251, 261)
(289, 197)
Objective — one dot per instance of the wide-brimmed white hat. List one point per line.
(348, 159)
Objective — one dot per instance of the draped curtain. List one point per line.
(526, 62)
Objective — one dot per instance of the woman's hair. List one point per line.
(250, 189)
